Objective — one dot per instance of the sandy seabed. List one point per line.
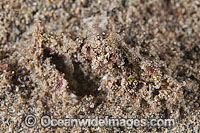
(92, 58)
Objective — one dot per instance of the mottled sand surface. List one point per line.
(87, 58)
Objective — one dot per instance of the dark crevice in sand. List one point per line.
(79, 84)
(182, 113)
(84, 86)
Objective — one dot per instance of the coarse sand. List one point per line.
(74, 59)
